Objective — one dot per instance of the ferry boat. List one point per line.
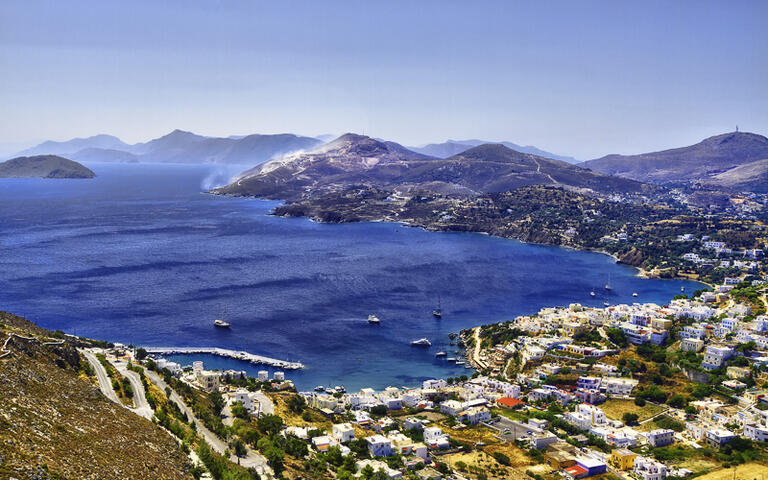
(441, 354)
(374, 319)
(221, 323)
(422, 342)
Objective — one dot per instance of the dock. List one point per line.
(223, 352)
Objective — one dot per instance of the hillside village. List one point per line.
(640, 391)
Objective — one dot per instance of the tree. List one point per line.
(676, 401)
(239, 410)
(296, 403)
(141, 354)
(501, 458)
(270, 424)
(617, 336)
(217, 401)
(630, 418)
(640, 401)
(239, 447)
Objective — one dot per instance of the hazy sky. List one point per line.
(576, 78)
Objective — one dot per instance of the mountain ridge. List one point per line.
(694, 163)
(454, 147)
(355, 159)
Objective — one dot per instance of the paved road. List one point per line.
(266, 407)
(105, 384)
(139, 396)
(252, 459)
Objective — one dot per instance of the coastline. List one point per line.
(641, 273)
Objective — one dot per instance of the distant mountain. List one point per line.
(182, 147)
(359, 160)
(104, 155)
(74, 145)
(454, 147)
(696, 163)
(43, 166)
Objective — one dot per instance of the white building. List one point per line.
(379, 446)
(715, 355)
(649, 469)
(619, 386)
(660, 437)
(435, 438)
(343, 432)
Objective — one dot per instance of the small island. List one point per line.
(44, 166)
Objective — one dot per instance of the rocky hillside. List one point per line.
(43, 166)
(695, 163)
(359, 160)
(55, 423)
(750, 177)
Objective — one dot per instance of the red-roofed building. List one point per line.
(576, 471)
(509, 402)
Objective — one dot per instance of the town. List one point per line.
(639, 391)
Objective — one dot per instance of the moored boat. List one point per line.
(422, 342)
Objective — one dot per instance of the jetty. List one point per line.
(223, 352)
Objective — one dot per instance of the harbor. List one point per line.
(223, 352)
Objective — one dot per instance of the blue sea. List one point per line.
(140, 255)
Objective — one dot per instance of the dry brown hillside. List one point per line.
(55, 424)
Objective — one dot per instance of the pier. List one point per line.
(223, 352)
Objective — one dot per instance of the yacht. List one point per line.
(438, 313)
(319, 388)
(221, 323)
(441, 354)
(422, 342)
(374, 319)
(591, 294)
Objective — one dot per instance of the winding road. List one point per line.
(139, 395)
(252, 458)
(101, 374)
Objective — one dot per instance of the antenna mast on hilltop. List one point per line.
(737, 129)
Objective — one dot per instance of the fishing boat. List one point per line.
(374, 319)
(422, 342)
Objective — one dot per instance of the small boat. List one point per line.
(460, 362)
(682, 289)
(438, 312)
(319, 388)
(374, 319)
(441, 354)
(606, 304)
(451, 359)
(634, 294)
(468, 367)
(340, 389)
(221, 323)
(591, 294)
(608, 286)
(422, 342)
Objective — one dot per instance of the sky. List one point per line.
(579, 78)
